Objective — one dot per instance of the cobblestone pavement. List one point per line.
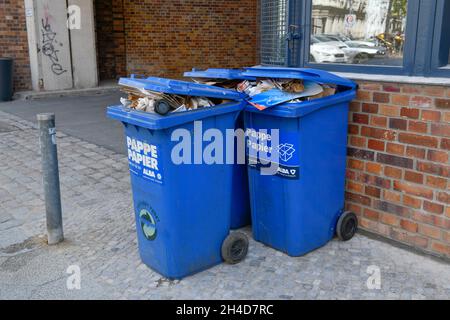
(100, 239)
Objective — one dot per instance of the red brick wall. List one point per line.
(398, 163)
(153, 37)
(14, 41)
(166, 38)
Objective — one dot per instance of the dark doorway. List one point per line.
(110, 32)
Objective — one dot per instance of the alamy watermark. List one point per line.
(374, 280)
(73, 281)
(73, 17)
(234, 146)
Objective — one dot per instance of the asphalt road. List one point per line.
(82, 116)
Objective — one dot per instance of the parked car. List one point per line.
(324, 52)
(371, 51)
(339, 37)
(350, 53)
(356, 51)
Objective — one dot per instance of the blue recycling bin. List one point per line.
(182, 211)
(240, 203)
(301, 207)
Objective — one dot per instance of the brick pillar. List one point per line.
(14, 41)
(119, 37)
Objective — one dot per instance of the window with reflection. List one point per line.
(444, 41)
(370, 32)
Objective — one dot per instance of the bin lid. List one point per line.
(301, 109)
(171, 86)
(314, 75)
(216, 73)
(251, 73)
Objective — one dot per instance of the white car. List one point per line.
(350, 53)
(369, 44)
(371, 51)
(323, 52)
(342, 38)
(355, 52)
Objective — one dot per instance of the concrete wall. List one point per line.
(83, 45)
(62, 51)
(54, 45)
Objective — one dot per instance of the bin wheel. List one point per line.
(235, 247)
(162, 107)
(346, 226)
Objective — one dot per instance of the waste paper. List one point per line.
(276, 96)
(261, 93)
(161, 103)
(265, 93)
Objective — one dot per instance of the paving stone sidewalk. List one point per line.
(100, 239)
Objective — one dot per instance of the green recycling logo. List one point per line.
(148, 224)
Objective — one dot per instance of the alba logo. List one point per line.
(148, 224)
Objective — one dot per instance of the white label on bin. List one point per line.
(52, 132)
(262, 151)
(144, 160)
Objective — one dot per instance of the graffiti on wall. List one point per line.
(50, 44)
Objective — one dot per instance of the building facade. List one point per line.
(398, 51)
(399, 126)
(106, 39)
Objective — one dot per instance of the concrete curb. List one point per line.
(33, 95)
(424, 253)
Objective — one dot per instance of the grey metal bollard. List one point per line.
(50, 171)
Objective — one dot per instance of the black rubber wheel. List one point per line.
(347, 226)
(235, 247)
(162, 107)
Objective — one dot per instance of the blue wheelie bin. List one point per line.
(240, 204)
(301, 207)
(182, 210)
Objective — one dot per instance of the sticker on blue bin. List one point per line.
(144, 160)
(262, 150)
(148, 224)
(148, 220)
